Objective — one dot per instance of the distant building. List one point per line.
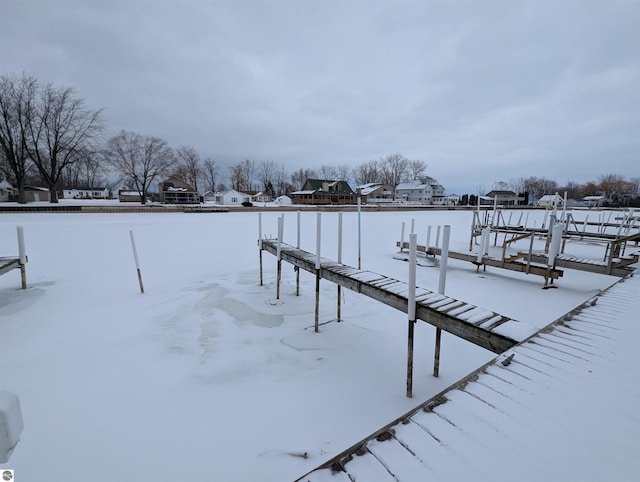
(505, 198)
(550, 200)
(176, 191)
(426, 190)
(376, 192)
(7, 191)
(319, 191)
(129, 196)
(595, 201)
(232, 197)
(85, 193)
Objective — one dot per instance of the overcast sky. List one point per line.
(482, 91)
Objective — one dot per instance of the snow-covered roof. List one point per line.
(4, 184)
(302, 192)
(415, 184)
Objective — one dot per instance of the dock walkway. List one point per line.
(482, 327)
(558, 407)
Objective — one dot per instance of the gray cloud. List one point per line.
(481, 90)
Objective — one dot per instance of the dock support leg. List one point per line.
(339, 301)
(412, 324)
(23, 276)
(261, 279)
(297, 281)
(436, 356)
(278, 277)
(317, 312)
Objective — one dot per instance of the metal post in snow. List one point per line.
(318, 237)
(339, 261)
(413, 225)
(441, 286)
(438, 236)
(278, 256)
(298, 247)
(411, 311)
(135, 257)
(402, 238)
(359, 234)
(260, 245)
(22, 254)
(428, 237)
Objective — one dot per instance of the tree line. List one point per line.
(48, 135)
(614, 187)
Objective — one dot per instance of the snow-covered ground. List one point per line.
(207, 376)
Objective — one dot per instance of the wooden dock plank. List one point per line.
(395, 296)
(8, 263)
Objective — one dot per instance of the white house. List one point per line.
(6, 191)
(550, 200)
(85, 193)
(420, 191)
(232, 197)
(283, 201)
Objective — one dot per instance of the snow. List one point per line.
(206, 376)
(10, 424)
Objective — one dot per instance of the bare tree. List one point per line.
(366, 173)
(17, 95)
(611, 185)
(140, 160)
(342, 172)
(539, 186)
(237, 176)
(59, 131)
(394, 169)
(266, 172)
(299, 177)
(249, 172)
(281, 181)
(328, 173)
(189, 158)
(417, 169)
(210, 172)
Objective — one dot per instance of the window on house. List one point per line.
(234, 199)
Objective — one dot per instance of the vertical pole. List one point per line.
(441, 286)
(278, 256)
(438, 236)
(298, 247)
(135, 257)
(338, 315)
(411, 312)
(359, 234)
(402, 238)
(22, 254)
(318, 237)
(428, 237)
(413, 225)
(260, 245)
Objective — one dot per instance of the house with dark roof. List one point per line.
(505, 198)
(176, 191)
(322, 191)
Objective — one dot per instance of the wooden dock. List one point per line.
(8, 263)
(512, 264)
(521, 408)
(482, 327)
